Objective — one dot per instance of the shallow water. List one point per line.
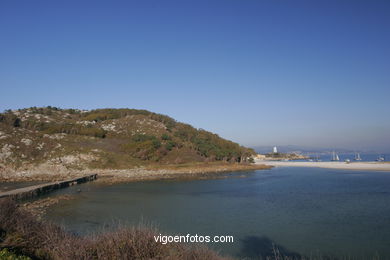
(303, 211)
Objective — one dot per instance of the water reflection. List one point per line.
(261, 247)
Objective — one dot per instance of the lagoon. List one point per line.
(303, 211)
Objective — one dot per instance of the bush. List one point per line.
(17, 122)
(165, 137)
(7, 255)
(68, 128)
(169, 145)
(43, 240)
(142, 137)
(156, 143)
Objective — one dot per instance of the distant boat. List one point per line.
(347, 160)
(380, 158)
(357, 157)
(335, 157)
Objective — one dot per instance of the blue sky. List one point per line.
(313, 73)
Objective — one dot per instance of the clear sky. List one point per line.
(313, 73)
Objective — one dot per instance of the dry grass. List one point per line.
(23, 234)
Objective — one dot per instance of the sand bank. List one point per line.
(363, 166)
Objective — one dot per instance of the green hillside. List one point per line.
(106, 138)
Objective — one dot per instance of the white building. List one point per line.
(275, 150)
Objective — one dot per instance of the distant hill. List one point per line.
(301, 149)
(285, 149)
(106, 138)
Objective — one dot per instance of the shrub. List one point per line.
(165, 137)
(169, 145)
(43, 240)
(17, 122)
(156, 143)
(7, 255)
(142, 137)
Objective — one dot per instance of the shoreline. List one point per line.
(176, 172)
(360, 166)
(39, 206)
(155, 172)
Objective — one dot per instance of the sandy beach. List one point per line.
(364, 166)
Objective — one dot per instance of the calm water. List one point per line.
(301, 210)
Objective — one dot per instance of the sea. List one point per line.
(341, 214)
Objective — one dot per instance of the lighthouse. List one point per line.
(275, 150)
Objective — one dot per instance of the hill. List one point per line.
(106, 139)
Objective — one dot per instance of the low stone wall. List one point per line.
(37, 190)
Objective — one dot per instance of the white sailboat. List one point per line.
(380, 158)
(357, 157)
(335, 156)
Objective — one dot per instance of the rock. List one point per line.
(26, 141)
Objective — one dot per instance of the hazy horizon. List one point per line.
(258, 72)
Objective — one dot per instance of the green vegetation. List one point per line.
(52, 128)
(5, 254)
(138, 137)
(290, 156)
